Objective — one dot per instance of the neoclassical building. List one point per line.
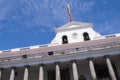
(76, 53)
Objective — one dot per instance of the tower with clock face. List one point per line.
(74, 32)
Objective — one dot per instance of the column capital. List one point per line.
(42, 64)
(27, 66)
(118, 54)
(13, 67)
(74, 60)
(1, 68)
(57, 63)
(106, 56)
(90, 58)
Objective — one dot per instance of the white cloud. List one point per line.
(45, 14)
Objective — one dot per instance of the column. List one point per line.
(74, 69)
(110, 69)
(41, 72)
(92, 69)
(26, 72)
(58, 77)
(1, 69)
(12, 75)
(0, 74)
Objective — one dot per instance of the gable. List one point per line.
(74, 32)
(73, 25)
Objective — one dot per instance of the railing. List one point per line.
(24, 48)
(63, 51)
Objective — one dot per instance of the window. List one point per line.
(86, 36)
(64, 39)
(74, 35)
(50, 53)
(24, 56)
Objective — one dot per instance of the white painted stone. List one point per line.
(110, 69)
(74, 28)
(0, 74)
(15, 49)
(75, 72)
(57, 72)
(41, 73)
(12, 75)
(26, 74)
(92, 70)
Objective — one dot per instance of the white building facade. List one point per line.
(74, 32)
(76, 53)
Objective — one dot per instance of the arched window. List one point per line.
(64, 39)
(86, 36)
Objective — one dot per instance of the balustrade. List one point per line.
(66, 51)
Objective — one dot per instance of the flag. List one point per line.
(69, 12)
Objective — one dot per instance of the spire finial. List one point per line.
(69, 12)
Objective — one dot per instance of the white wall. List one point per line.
(71, 38)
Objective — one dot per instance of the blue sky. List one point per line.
(32, 22)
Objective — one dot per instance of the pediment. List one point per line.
(73, 24)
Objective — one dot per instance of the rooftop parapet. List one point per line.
(46, 51)
(48, 45)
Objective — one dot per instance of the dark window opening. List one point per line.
(24, 56)
(86, 36)
(102, 71)
(77, 49)
(64, 40)
(50, 53)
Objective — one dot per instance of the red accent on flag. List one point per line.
(69, 13)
